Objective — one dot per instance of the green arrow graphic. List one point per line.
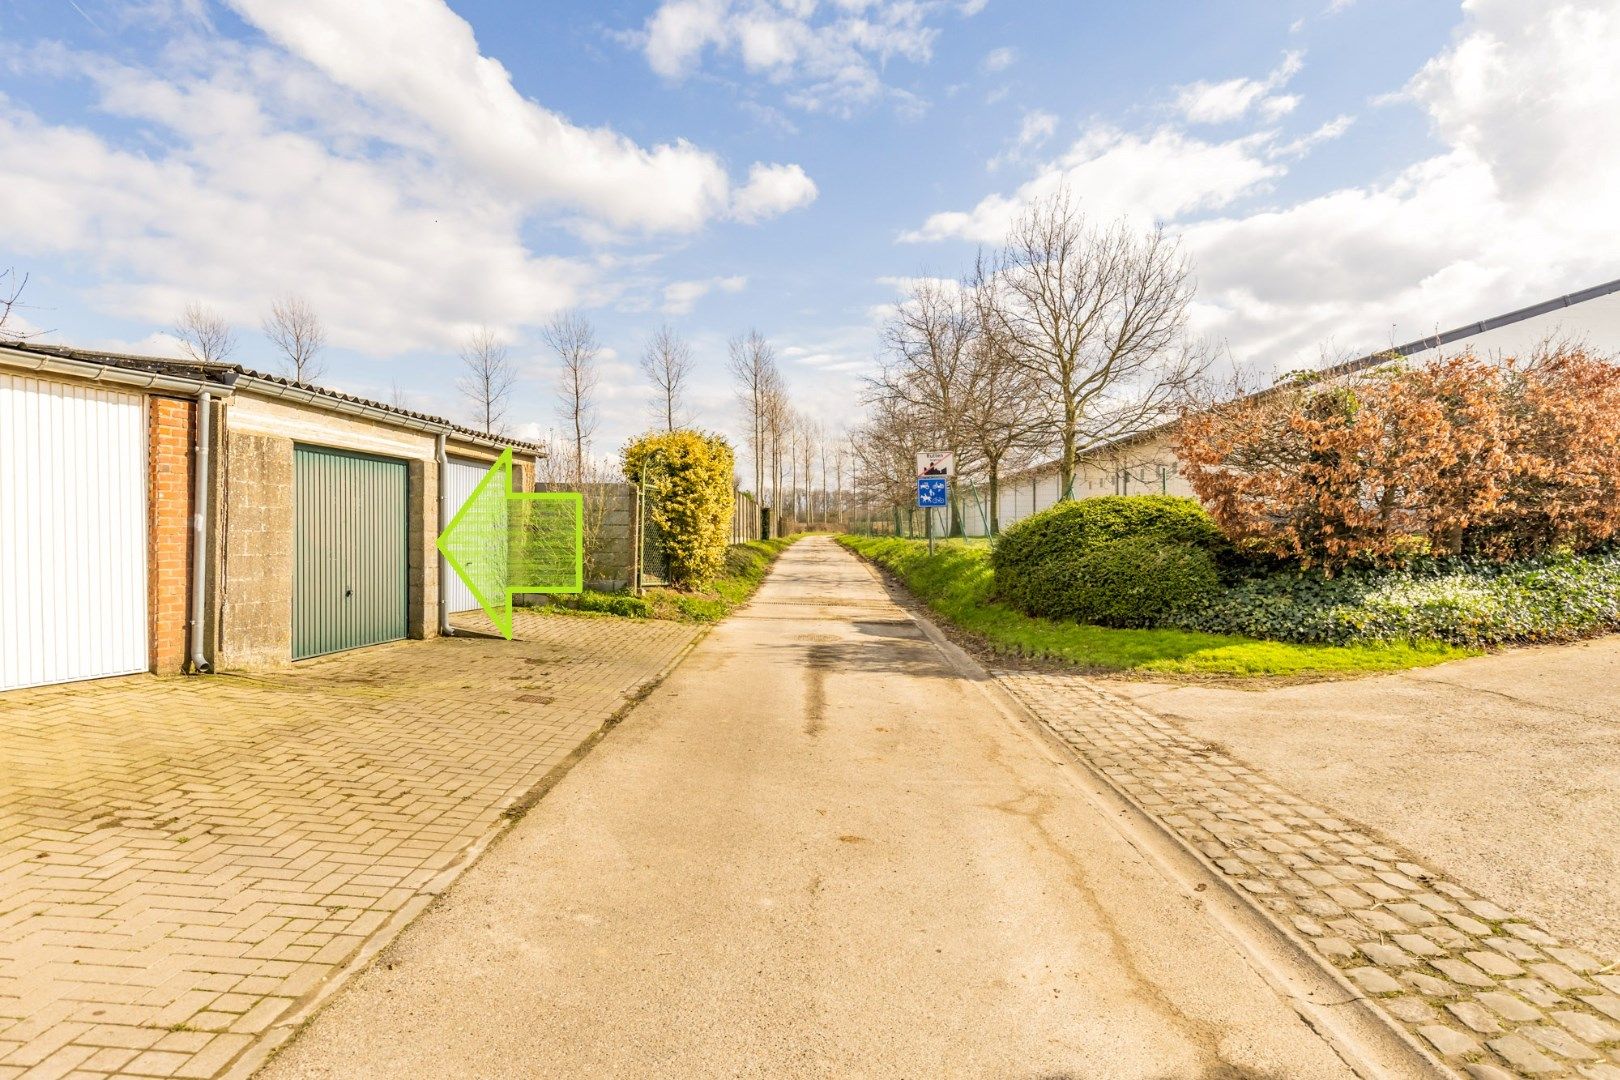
(502, 543)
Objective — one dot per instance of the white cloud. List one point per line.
(772, 190)
(1160, 176)
(999, 59)
(1515, 205)
(1034, 131)
(1223, 102)
(680, 297)
(376, 163)
(420, 60)
(829, 58)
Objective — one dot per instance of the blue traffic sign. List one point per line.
(931, 491)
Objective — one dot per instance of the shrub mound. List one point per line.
(1139, 581)
(1071, 530)
(1462, 602)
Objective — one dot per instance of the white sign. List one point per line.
(940, 463)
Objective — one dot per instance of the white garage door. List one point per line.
(72, 532)
(460, 478)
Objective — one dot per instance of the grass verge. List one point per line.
(957, 583)
(745, 568)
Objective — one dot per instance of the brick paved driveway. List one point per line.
(1490, 991)
(184, 862)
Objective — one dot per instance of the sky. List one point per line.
(1344, 174)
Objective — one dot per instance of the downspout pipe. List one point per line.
(441, 456)
(199, 534)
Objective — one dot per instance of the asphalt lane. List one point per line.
(814, 851)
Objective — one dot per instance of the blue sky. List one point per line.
(1343, 173)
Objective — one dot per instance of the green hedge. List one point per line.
(1556, 598)
(1138, 581)
(1072, 529)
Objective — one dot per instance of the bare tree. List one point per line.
(204, 333)
(1095, 317)
(11, 290)
(571, 336)
(778, 424)
(294, 328)
(752, 362)
(927, 367)
(489, 378)
(667, 363)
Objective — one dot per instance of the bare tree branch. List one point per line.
(571, 336)
(294, 328)
(489, 378)
(1095, 317)
(204, 333)
(667, 363)
(11, 290)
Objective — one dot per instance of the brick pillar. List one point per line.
(169, 438)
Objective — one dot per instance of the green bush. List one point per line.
(686, 477)
(1555, 598)
(1071, 529)
(1138, 581)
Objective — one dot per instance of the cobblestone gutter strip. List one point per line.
(1493, 994)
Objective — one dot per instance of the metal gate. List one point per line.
(72, 532)
(349, 559)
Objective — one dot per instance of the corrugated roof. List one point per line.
(227, 374)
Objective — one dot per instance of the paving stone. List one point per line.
(1573, 959)
(1536, 992)
(1428, 984)
(1515, 948)
(1523, 1056)
(1379, 891)
(218, 846)
(1484, 909)
(1415, 914)
(1449, 1041)
(1586, 1027)
(1474, 1017)
(1418, 945)
(1509, 1007)
(1560, 1042)
(1347, 897)
(1427, 942)
(1607, 1004)
(1373, 981)
(1463, 973)
(1410, 1009)
(1335, 948)
(1560, 977)
(1600, 1071)
(1465, 924)
(1494, 964)
(1389, 956)
(1382, 921)
(1526, 932)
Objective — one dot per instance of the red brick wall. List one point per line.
(169, 435)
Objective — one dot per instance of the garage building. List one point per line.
(309, 530)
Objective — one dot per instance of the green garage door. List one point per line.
(349, 576)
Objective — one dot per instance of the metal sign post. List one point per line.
(934, 471)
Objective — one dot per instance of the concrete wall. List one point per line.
(610, 533)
